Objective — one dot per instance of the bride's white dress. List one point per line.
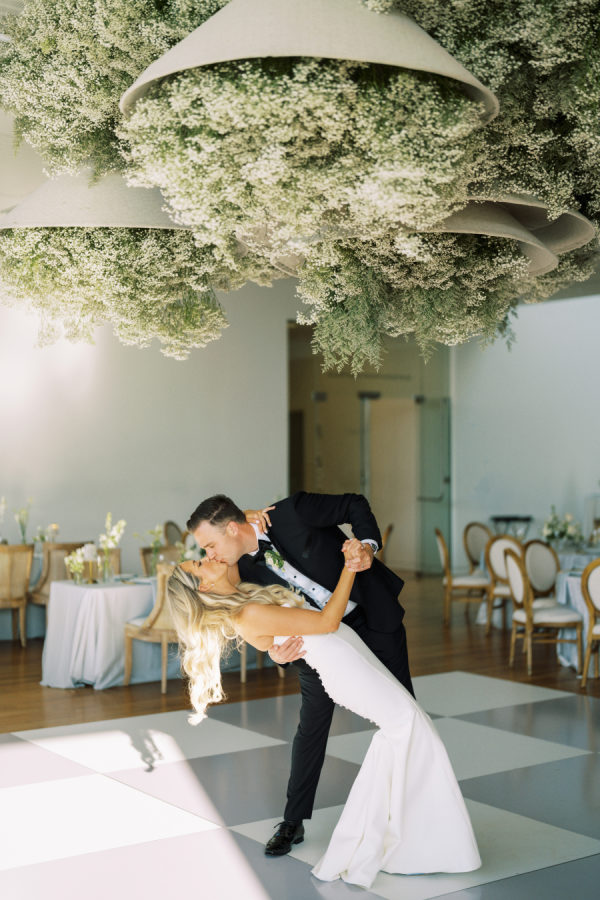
(405, 812)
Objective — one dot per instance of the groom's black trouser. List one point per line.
(310, 742)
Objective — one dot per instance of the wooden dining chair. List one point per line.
(380, 555)
(540, 625)
(475, 537)
(590, 588)
(155, 628)
(15, 569)
(173, 533)
(499, 589)
(166, 554)
(542, 566)
(53, 569)
(464, 588)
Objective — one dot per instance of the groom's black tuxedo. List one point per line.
(305, 530)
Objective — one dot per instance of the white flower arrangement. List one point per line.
(67, 62)
(190, 550)
(542, 60)
(565, 528)
(75, 563)
(156, 540)
(112, 535)
(147, 283)
(22, 519)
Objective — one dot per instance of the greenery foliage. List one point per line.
(147, 283)
(68, 61)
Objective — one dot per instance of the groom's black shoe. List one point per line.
(287, 833)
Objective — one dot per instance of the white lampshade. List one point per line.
(73, 202)
(568, 232)
(329, 29)
(495, 220)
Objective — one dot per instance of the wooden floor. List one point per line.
(24, 704)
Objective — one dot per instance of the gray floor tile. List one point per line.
(237, 787)
(26, 763)
(286, 878)
(579, 880)
(573, 720)
(278, 717)
(564, 793)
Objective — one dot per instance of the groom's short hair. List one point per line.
(217, 510)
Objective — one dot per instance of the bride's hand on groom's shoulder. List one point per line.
(259, 517)
(288, 652)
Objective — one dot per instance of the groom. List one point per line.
(302, 549)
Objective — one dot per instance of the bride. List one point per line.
(405, 813)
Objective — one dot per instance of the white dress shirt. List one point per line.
(317, 593)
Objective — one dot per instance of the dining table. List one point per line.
(569, 593)
(85, 635)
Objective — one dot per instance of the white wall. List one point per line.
(525, 423)
(86, 430)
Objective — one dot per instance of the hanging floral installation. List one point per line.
(345, 171)
(82, 255)
(146, 283)
(67, 62)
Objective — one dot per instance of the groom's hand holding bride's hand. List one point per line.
(287, 652)
(359, 556)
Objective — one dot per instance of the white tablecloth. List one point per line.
(569, 593)
(84, 642)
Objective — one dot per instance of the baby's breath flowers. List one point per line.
(67, 62)
(146, 283)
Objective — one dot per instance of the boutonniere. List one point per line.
(273, 558)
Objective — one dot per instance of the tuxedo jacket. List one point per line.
(305, 530)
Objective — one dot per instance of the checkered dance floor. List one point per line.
(151, 807)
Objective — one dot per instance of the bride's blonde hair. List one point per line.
(205, 623)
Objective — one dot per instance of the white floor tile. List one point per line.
(509, 845)
(145, 741)
(459, 693)
(68, 817)
(480, 750)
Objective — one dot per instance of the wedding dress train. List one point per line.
(405, 812)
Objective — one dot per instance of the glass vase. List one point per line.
(105, 568)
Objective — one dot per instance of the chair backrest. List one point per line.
(475, 537)
(172, 533)
(590, 588)
(542, 566)
(163, 555)
(443, 551)
(384, 539)
(53, 567)
(516, 575)
(15, 568)
(160, 616)
(494, 555)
